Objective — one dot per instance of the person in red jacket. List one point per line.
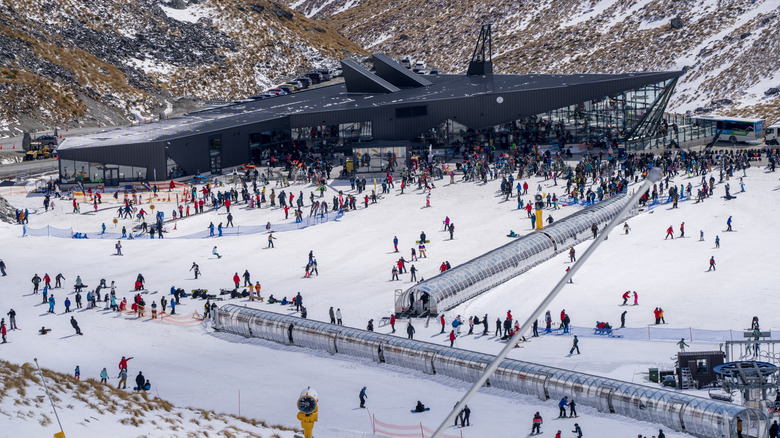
(563, 314)
(123, 363)
(236, 280)
(509, 315)
(669, 233)
(657, 314)
(452, 337)
(392, 322)
(47, 281)
(441, 318)
(625, 298)
(443, 267)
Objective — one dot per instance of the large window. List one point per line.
(81, 171)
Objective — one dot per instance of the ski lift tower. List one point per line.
(751, 379)
(482, 59)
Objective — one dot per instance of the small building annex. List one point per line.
(391, 106)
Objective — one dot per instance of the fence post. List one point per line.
(648, 333)
(422, 432)
(690, 332)
(238, 230)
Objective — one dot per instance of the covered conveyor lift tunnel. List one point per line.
(680, 411)
(479, 275)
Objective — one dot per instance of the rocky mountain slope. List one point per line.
(84, 62)
(729, 48)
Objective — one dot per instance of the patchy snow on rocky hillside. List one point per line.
(99, 61)
(728, 48)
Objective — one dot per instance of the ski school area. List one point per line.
(190, 364)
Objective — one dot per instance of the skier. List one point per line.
(452, 338)
(3, 331)
(562, 407)
(441, 319)
(682, 344)
(626, 228)
(572, 409)
(712, 264)
(36, 280)
(363, 397)
(537, 424)
(246, 276)
(682, 229)
(395, 243)
(577, 431)
(75, 325)
(413, 271)
(214, 251)
(452, 230)
(12, 319)
(572, 255)
(575, 345)
(669, 233)
(77, 373)
(58, 281)
(728, 224)
(196, 268)
(118, 247)
(717, 241)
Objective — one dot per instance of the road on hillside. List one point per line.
(27, 168)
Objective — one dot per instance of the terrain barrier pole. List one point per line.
(690, 332)
(652, 177)
(648, 333)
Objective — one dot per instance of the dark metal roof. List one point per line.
(527, 95)
(395, 73)
(360, 80)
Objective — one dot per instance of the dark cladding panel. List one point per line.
(395, 73)
(360, 80)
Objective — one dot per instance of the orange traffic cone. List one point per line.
(175, 224)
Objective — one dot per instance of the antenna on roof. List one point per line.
(482, 59)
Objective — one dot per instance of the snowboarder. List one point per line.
(626, 228)
(3, 332)
(717, 241)
(410, 330)
(728, 224)
(636, 299)
(363, 397)
(452, 230)
(118, 247)
(214, 251)
(682, 229)
(712, 264)
(682, 344)
(75, 325)
(196, 268)
(77, 373)
(413, 271)
(572, 409)
(271, 239)
(12, 319)
(464, 421)
(577, 431)
(2, 267)
(575, 345)
(452, 338)
(370, 326)
(139, 381)
(395, 243)
(623, 319)
(625, 297)
(572, 255)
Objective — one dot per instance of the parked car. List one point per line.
(336, 72)
(306, 82)
(407, 61)
(419, 66)
(288, 89)
(434, 71)
(324, 73)
(315, 77)
(276, 91)
(292, 84)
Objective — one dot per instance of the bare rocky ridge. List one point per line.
(89, 62)
(729, 48)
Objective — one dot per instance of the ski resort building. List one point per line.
(389, 111)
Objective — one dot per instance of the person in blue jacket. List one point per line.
(562, 406)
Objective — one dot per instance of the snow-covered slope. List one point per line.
(191, 365)
(730, 48)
